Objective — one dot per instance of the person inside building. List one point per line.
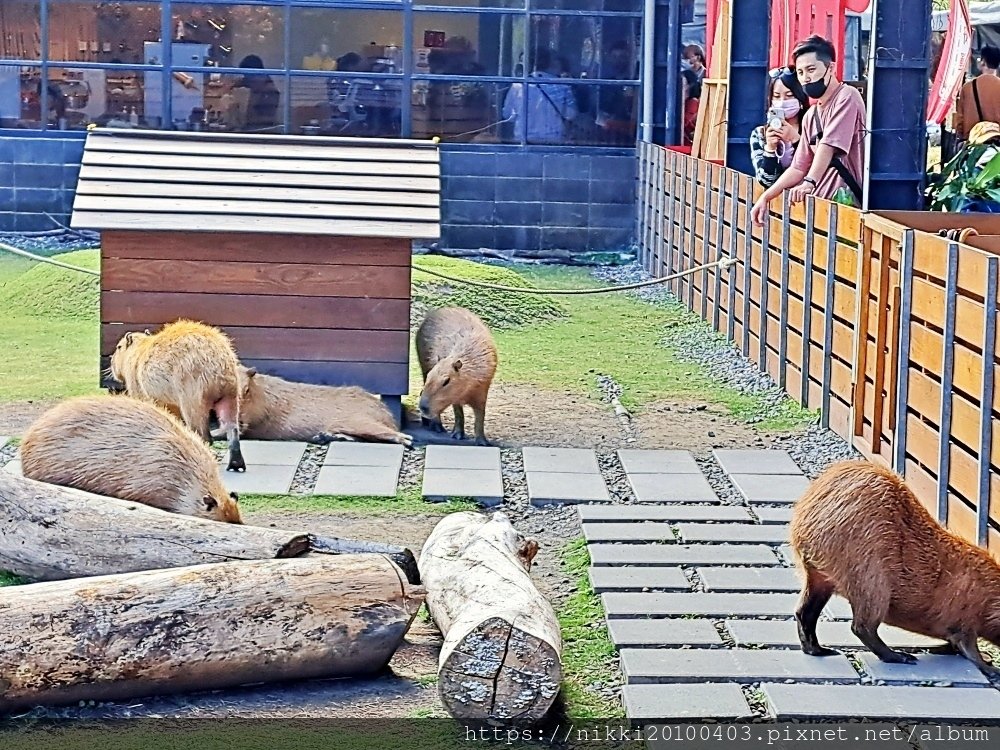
(772, 145)
(262, 108)
(692, 74)
(979, 99)
(550, 109)
(828, 160)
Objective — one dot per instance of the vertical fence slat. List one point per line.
(720, 228)
(903, 357)
(705, 245)
(663, 248)
(668, 235)
(831, 285)
(693, 235)
(734, 203)
(644, 203)
(783, 293)
(947, 381)
(747, 271)
(765, 262)
(807, 302)
(986, 403)
(682, 225)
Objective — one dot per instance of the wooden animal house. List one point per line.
(297, 247)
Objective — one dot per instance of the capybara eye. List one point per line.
(234, 496)
(210, 502)
(446, 381)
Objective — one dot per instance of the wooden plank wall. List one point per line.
(886, 328)
(324, 310)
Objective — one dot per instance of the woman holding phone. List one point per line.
(772, 145)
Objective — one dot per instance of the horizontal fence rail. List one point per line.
(886, 328)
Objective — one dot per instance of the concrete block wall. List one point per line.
(37, 176)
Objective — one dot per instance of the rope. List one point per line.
(43, 259)
(721, 264)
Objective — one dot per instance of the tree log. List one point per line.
(48, 533)
(201, 627)
(501, 654)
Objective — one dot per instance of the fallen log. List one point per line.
(201, 627)
(49, 533)
(501, 654)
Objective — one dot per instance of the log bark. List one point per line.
(201, 627)
(52, 533)
(501, 657)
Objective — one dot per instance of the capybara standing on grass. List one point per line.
(458, 360)
(190, 369)
(130, 449)
(275, 409)
(858, 531)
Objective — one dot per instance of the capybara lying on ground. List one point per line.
(130, 449)
(275, 409)
(458, 360)
(190, 369)
(859, 532)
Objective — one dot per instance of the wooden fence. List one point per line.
(886, 328)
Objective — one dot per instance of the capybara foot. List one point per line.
(324, 438)
(457, 434)
(818, 650)
(482, 441)
(236, 462)
(897, 657)
(405, 440)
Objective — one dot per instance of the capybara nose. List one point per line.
(424, 407)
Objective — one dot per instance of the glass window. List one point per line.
(81, 96)
(342, 105)
(468, 44)
(581, 47)
(105, 32)
(459, 111)
(244, 36)
(476, 3)
(20, 30)
(617, 6)
(20, 97)
(347, 39)
(563, 112)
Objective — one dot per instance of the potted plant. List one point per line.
(970, 182)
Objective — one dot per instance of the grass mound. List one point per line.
(46, 291)
(498, 309)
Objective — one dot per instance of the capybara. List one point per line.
(858, 531)
(458, 360)
(190, 369)
(130, 449)
(272, 408)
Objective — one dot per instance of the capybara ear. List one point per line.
(148, 332)
(235, 498)
(128, 338)
(210, 502)
(251, 371)
(458, 365)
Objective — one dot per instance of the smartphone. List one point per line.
(775, 118)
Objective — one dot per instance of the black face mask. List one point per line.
(816, 89)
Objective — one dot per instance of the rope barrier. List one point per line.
(43, 259)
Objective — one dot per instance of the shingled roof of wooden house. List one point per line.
(183, 181)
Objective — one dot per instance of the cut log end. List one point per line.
(500, 672)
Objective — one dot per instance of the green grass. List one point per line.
(45, 291)
(408, 500)
(587, 649)
(9, 579)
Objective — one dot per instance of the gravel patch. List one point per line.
(50, 243)
(308, 470)
(615, 478)
(412, 471)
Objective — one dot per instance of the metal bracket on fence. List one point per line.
(947, 383)
(786, 229)
(831, 283)
(903, 355)
(807, 302)
(986, 403)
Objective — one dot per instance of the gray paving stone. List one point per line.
(750, 579)
(260, 479)
(784, 634)
(768, 488)
(680, 554)
(483, 485)
(957, 670)
(638, 531)
(560, 460)
(4, 440)
(661, 633)
(634, 512)
(361, 481)
(14, 467)
(658, 462)
(271, 452)
(665, 488)
(638, 578)
(881, 702)
(776, 514)
(756, 461)
(547, 488)
(629, 604)
(364, 454)
(733, 533)
(685, 702)
(645, 666)
(462, 457)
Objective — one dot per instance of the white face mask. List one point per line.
(790, 108)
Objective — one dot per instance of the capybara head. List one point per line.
(121, 353)
(445, 385)
(225, 509)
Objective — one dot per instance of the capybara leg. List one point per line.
(227, 411)
(867, 632)
(196, 417)
(968, 646)
(434, 425)
(479, 412)
(459, 432)
(324, 438)
(815, 594)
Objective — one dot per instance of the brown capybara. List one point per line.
(190, 369)
(272, 408)
(130, 449)
(858, 531)
(458, 360)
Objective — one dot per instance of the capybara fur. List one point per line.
(191, 370)
(130, 449)
(272, 408)
(458, 359)
(858, 531)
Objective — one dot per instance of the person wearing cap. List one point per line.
(772, 145)
(979, 99)
(985, 134)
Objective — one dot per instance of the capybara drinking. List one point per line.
(190, 369)
(130, 449)
(458, 360)
(272, 408)
(858, 531)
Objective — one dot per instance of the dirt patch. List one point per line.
(692, 427)
(17, 416)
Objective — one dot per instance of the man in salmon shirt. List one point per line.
(830, 156)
